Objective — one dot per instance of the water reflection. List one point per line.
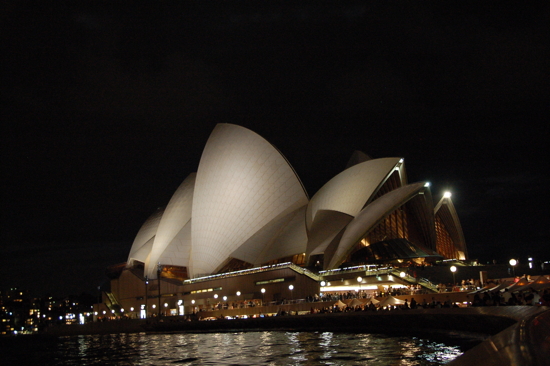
(239, 348)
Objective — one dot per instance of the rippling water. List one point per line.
(250, 348)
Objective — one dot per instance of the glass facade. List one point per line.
(445, 244)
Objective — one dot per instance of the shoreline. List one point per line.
(509, 335)
(480, 320)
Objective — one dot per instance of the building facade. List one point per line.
(245, 212)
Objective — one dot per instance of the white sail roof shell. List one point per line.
(178, 252)
(144, 238)
(242, 184)
(282, 237)
(349, 191)
(370, 216)
(176, 215)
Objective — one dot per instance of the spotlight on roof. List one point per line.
(427, 184)
(447, 194)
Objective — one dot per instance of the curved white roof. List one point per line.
(370, 216)
(178, 252)
(145, 234)
(176, 215)
(326, 226)
(292, 239)
(445, 209)
(242, 184)
(269, 242)
(349, 191)
(143, 252)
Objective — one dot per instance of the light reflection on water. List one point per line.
(248, 348)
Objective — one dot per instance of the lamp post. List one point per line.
(291, 287)
(513, 263)
(159, 269)
(146, 283)
(263, 297)
(360, 280)
(453, 269)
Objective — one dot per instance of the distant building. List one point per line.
(246, 210)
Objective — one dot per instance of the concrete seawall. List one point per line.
(483, 320)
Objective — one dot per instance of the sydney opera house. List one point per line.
(242, 228)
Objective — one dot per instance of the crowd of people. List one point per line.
(507, 298)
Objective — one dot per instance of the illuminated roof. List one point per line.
(349, 191)
(247, 204)
(175, 217)
(446, 211)
(243, 183)
(370, 216)
(145, 237)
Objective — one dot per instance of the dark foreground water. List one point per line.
(251, 348)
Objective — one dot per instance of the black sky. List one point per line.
(107, 107)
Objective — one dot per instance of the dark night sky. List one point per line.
(108, 107)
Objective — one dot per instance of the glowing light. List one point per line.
(447, 194)
(453, 269)
(238, 293)
(215, 296)
(225, 298)
(192, 301)
(513, 262)
(323, 283)
(262, 291)
(402, 274)
(291, 287)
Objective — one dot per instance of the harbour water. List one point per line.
(237, 348)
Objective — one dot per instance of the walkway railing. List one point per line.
(413, 280)
(272, 267)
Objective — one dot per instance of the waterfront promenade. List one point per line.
(482, 320)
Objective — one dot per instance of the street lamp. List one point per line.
(360, 280)
(159, 269)
(146, 283)
(263, 297)
(291, 287)
(453, 269)
(513, 263)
